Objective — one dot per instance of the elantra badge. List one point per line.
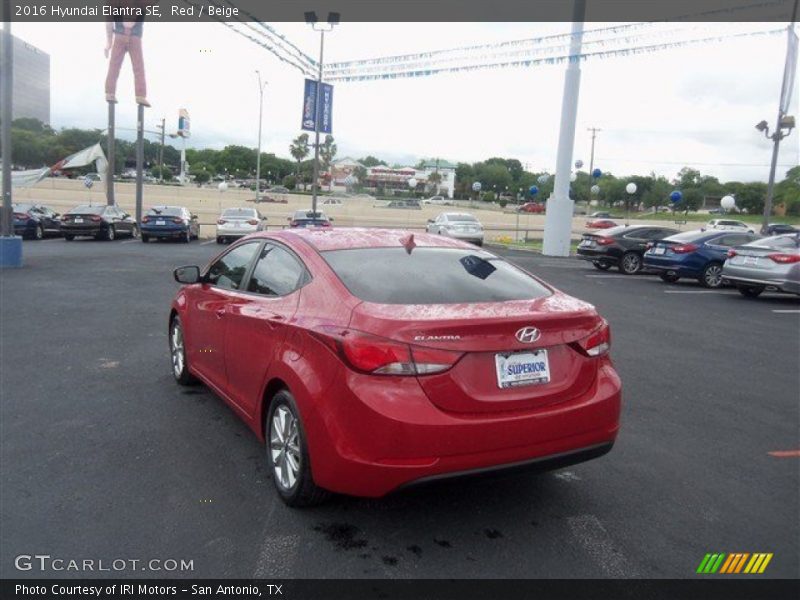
(528, 335)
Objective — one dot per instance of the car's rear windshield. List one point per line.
(431, 276)
(778, 241)
(469, 218)
(85, 209)
(21, 208)
(238, 212)
(612, 231)
(167, 211)
(307, 214)
(736, 223)
(689, 236)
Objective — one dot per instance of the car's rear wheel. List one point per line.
(287, 453)
(145, 238)
(601, 265)
(750, 291)
(220, 240)
(631, 263)
(712, 276)
(669, 277)
(177, 350)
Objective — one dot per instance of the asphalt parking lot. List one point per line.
(105, 457)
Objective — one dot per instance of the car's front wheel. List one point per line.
(750, 291)
(712, 276)
(135, 233)
(631, 263)
(39, 233)
(287, 453)
(111, 234)
(601, 265)
(177, 350)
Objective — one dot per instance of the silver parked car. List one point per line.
(461, 226)
(237, 222)
(771, 263)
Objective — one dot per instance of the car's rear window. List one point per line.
(465, 218)
(779, 241)
(239, 212)
(166, 211)
(690, 236)
(729, 223)
(612, 231)
(85, 209)
(431, 276)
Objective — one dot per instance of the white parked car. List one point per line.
(461, 226)
(438, 201)
(728, 225)
(237, 222)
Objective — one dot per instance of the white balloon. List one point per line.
(631, 188)
(222, 186)
(412, 183)
(728, 202)
(595, 189)
(573, 176)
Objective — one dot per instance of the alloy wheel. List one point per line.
(713, 276)
(631, 263)
(284, 447)
(178, 350)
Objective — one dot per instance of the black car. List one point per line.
(100, 221)
(34, 221)
(780, 229)
(170, 222)
(307, 218)
(621, 246)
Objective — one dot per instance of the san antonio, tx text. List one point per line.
(130, 589)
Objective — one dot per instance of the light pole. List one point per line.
(261, 87)
(631, 189)
(311, 19)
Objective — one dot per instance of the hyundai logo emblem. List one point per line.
(528, 335)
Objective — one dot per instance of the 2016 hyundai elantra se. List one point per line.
(371, 359)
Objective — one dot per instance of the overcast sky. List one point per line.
(692, 106)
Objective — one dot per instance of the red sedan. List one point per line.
(600, 224)
(367, 360)
(533, 207)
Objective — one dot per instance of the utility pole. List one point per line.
(161, 151)
(594, 131)
(317, 119)
(782, 121)
(261, 87)
(10, 245)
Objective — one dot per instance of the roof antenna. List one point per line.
(408, 242)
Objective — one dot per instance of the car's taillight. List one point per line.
(96, 218)
(252, 222)
(381, 356)
(731, 253)
(596, 343)
(221, 222)
(21, 216)
(649, 245)
(145, 219)
(605, 241)
(683, 248)
(784, 259)
(325, 224)
(293, 223)
(178, 220)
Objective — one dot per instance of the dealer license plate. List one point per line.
(659, 250)
(522, 368)
(78, 220)
(161, 222)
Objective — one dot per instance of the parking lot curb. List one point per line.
(524, 249)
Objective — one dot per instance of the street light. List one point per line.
(311, 19)
(631, 189)
(261, 87)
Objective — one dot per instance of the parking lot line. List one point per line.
(610, 276)
(787, 311)
(785, 453)
(129, 242)
(207, 243)
(698, 292)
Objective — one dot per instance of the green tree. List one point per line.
(327, 152)
(371, 161)
(299, 149)
(202, 176)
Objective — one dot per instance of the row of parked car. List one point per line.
(714, 257)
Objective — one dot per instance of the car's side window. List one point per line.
(641, 234)
(723, 240)
(229, 271)
(277, 272)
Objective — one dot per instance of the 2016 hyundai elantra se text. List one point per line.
(367, 360)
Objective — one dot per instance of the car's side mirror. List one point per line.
(188, 274)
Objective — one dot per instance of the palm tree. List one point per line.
(327, 151)
(299, 149)
(434, 180)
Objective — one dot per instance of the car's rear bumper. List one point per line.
(666, 264)
(594, 255)
(238, 232)
(385, 435)
(782, 282)
(82, 230)
(160, 232)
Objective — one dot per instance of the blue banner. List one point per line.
(310, 107)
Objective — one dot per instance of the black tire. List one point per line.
(145, 238)
(111, 233)
(39, 233)
(303, 491)
(601, 265)
(669, 277)
(180, 370)
(220, 240)
(135, 233)
(750, 291)
(69, 237)
(712, 276)
(630, 263)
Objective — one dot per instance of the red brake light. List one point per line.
(96, 218)
(605, 241)
(649, 245)
(292, 223)
(325, 224)
(145, 219)
(784, 259)
(252, 222)
(598, 342)
(683, 248)
(381, 356)
(178, 220)
(21, 216)
(731, 253)
(221, 222)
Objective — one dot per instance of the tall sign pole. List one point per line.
(139, 160)
(317, 119)
(558, 219)
(258, 153)
(111, 153)
(789, 69)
